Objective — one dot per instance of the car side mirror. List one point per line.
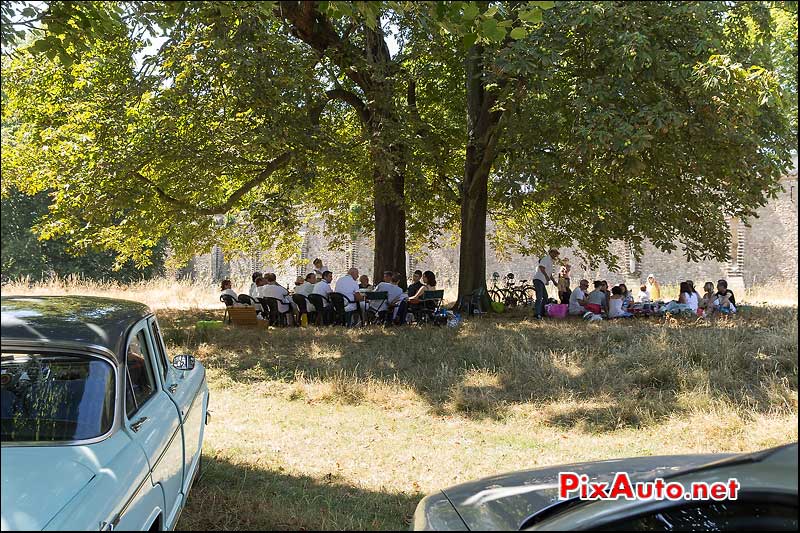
(183, 362)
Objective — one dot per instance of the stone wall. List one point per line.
(768, 253)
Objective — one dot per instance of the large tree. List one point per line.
(604, 123)
(588, 124)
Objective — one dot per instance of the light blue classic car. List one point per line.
(99, 430)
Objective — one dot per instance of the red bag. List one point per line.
(594, 308)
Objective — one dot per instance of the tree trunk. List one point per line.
(482, 132)
(472, 257)
(390, 225)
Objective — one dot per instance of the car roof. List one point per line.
(85, 320)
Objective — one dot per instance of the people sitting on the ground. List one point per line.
(414, 287)
(348, 286)
(707, 301)
(564, 291)
(627, 297)
(694, 296)
(597, 302)
(690, 296)
(271, 289)
(643, 296)
(682, 303)
(653, 288)
(253, 292)
(227, 289)
(615, 304)
(363, 283)
(578, 300)
(727, 301)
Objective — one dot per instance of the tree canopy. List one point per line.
(567, 123)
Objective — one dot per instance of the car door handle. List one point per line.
(136, 426)
(172, 388)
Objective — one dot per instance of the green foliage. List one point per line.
(23, 255)
(625, 131)
(205, 127)
(613, 125)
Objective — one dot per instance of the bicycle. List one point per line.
(508, 295)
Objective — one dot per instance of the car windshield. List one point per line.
(55, 397)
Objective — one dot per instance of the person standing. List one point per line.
(543, 276)
(653, 288)
(318, 268)
(563, 284)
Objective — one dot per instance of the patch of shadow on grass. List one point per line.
(229, 497)
(484, 367)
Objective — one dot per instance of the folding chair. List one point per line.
(323, 309)
(430, 306)
(383, 306)
(339, 302)
(472, 304)
(276, 316)
(229, 301)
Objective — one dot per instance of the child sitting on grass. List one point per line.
(644, 295)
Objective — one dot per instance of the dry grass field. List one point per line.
(335, 428)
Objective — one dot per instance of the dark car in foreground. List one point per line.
(100, 430)
(766, 498)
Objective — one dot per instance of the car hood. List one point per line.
(38, 482)
(504, 502)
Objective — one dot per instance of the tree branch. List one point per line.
(353, 100)
(271, 167)
(316, 30)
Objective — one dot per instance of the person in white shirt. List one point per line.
(323, 287)
(306, 288)
(253, 292)
(226, 289)
(348, 286)
(394, 294)
(543, 276)
(318, 268)
(272, 290)
(644, 295)
(578, 298)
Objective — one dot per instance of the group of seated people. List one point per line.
(351, 300)
(619, 301)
